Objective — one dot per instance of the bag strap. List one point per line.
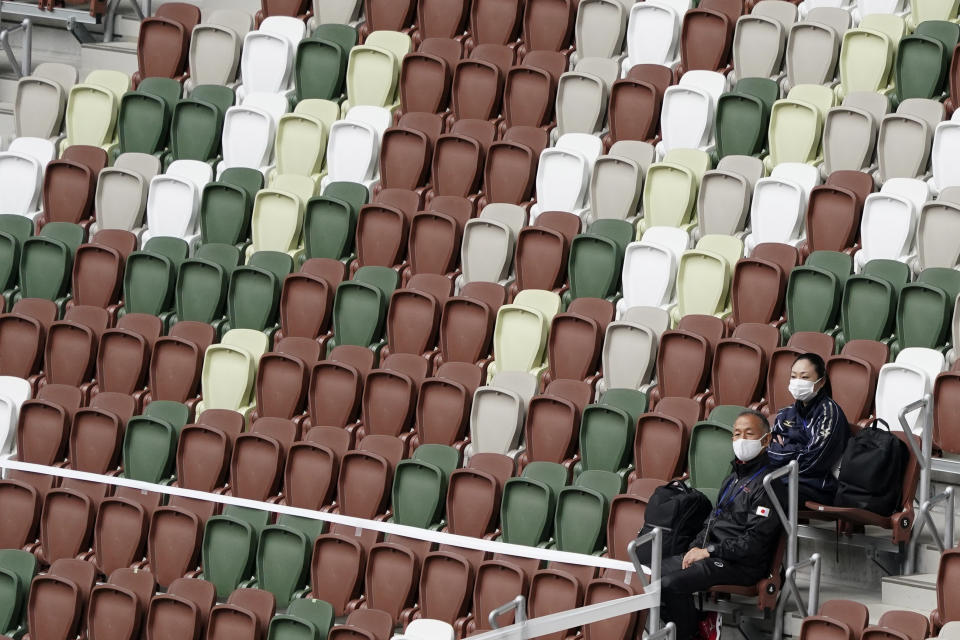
(875, 421)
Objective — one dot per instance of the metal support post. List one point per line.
(25, 66)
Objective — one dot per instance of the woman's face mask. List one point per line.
(803, 389)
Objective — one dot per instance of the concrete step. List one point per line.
(917, 592)
(120, 55)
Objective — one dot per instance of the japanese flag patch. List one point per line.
(763, 512)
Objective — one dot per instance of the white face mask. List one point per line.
(802, 389)
(747, 450)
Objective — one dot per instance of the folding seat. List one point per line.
(98, 269)
(283, 552)
(120, 186)
(520, 333)
(779, 205)
(635, 104)
(19, 568)
(336, 570)
(596, 259)
(909, 623)
(174, 202)
(834, 211)
(581, 514)
(493, 23)
(563, 174)
(924, 311)
(164, 41)
(796, 124)
(306, 300)
(923, 60)
(229, 371)
(542, 249)
(202, 285)
(364, 297)
(813, 47)
(71, 346)
(203, 454)
(22, 337)
(869, 300)
(197, 124)
(387, 16)
(528, 505)
(683, 365)
(617, 181)
(944, 142)
(725, 194)
(282, 377)
(353, 146)
(118, 608)
(302, 138)
(69, 185)
(266, 64)
(650, 268)
(334, 394)
(496, 421)
(143, 124)
(389, 396)
(670, 192)
(249, 131)
(599, 29)
(934, 245)
(529, 91)
(373, 70)
(214, 54)
(22, 168)
(420, 485)
(330, 220)
(320, 64)
(457, 167)
(277, 217)
(229, 547)
(58, 599)
(630, 347)
(366, 477)
(476, 90)
(14, 230)
(150, 441)
(97, 433)
(705, 38)
(294, 8)
(182, 611)
(687, 115)
(258, 458)
(903, 145)
(704, 275)
(889, 221)
(413, 316)
(46, 261)
(850, 131)
(426, 76)
(581, 332)
(226, 207)
(759, 41)
(41, 100)
(821, 279)
(867, 54)
(548, 26)
(92, 106)
(487, 248)
(743, 116)
(856, 379)
(653, 34)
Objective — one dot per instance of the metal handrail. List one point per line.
(25, 66)
(655, 537)
(518, 604)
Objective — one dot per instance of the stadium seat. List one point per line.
(120, 186)
(617, 181)
(197, 124)
(796, 125)
(174, 202)
(903, 144)
(229, 547)
(306, 300)
(824, 272)
(653, 34)
(725, 194)
(330, 220)
(743, 116)
(704, 276)
(320, 64)
(834, 211)
(923, 59)
(353, 146)
(69, 185)
(687, 116)
(491, 23)
(670, 192)
(184, 608)
(164, 41)
(266, 64)
(779, 205)
(870, 299)
(58, 598)
(377, 63)
(635, 106)
(15, 230)
(850, 131)
(813, 46)
(759, 40)
(889, 221)
(46, 261)
(41, 100)
(304, 616)
(924, 311)
(92, 108)
(214, 56)
(249, 131)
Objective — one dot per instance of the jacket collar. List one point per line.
(750, 467)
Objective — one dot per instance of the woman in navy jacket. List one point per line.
(813, 431)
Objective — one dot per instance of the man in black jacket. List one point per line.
(739, 538)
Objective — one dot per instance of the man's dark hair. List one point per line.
(759, 416)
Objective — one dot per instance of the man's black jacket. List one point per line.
(744, 527)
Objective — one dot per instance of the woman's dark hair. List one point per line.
(821, 368)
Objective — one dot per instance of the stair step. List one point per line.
(917, 592)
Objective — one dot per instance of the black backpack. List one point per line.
(871, 471)
(680, 512)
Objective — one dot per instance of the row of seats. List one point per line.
(67, 599)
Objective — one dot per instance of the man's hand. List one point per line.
(694, 555)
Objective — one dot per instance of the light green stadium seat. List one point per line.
(867, 54)
(704, 277)
(670, 192)
(229, 371)
(373, 70)
(520, 333)
(302, 138)
(278, 215)
(796, 125)
(92, 109)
